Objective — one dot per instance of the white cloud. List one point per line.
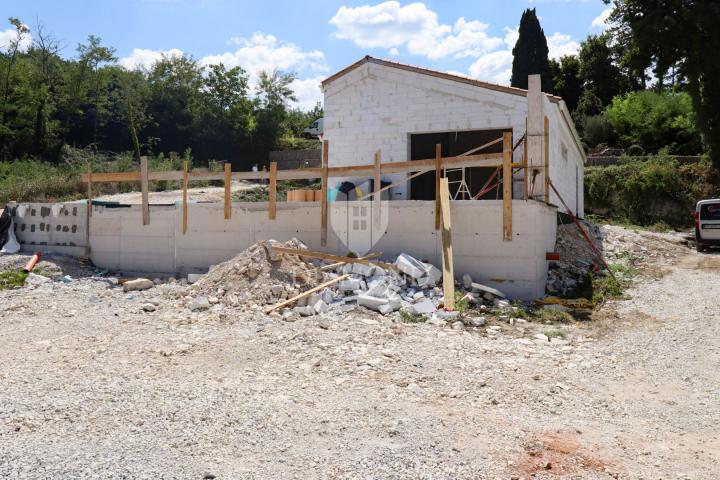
(9, 35)
(308, 92)
(494, 67)
(266, 53)
(601, 21)
(143, 58)
(560, 45)
(394, 52)
(414, 26)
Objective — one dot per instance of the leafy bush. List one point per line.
(655, 120)
(646, 192)
(597, 131)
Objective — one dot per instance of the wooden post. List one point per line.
(438, 165)
(546, 174)
(272, 190)
(526, 170)
(88, 213)
(448, 274)
(186, 179)
(228, 195)
(144, 189)
(376, 197)
(507, 186)
(324, 193)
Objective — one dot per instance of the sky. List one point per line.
(313, 39)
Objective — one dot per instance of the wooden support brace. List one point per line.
(89, 189)
(185, 182)
(377, 185)
(507, 186)
(88, 213)
(438, 166)
(526, 171)
(144, 189)
(272, 194)
(546, 154)
(324, 194)
(306, 293)
(448, 273)
(333, 258)
(228, 196)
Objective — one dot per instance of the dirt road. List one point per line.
(94, 387)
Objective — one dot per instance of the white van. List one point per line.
(315, 130)
(707, 223)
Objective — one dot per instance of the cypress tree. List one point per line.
(530, 55)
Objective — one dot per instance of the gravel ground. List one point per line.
(198, 194)
(95, 387)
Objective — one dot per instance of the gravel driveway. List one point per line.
(94, 387)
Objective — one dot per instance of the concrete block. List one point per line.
(137, 284)
(373, 303)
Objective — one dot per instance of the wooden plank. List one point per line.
(331, 257)
(185, 197)
(338, 264)
(448, 271)
(228, 193)
(144, 190)
(438, 165)
(477, 149)
(526, 170)
(546, 154)
(272, 190)
(386, 187)
(324, 193)
(89, 190)
(507, 186)
(305, 293)
(377, 184)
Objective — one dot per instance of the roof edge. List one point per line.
(432, 73)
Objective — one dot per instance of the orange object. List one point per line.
(552, 256)
(32, 262)
(309, 195)
(318, 195)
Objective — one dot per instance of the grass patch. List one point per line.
(12, 279)
(462, 304)
(555, 333)
(408, 317)
(261, 193)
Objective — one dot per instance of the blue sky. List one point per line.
(313, 39)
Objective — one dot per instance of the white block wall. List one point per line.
(378, 107)
(121, 243)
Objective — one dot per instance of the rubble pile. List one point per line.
(259, 278)
(252, 277)
(577, 258)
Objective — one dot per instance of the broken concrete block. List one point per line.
(194, 277)
(467, 281)
(349, 284)
(138, 284)
(424, 306)
(410, 266)
(385, 309)
(199, 303)
(34, 279)
(394, 302)
(305, 311)
(417, 296)
(320, 306)
(379, 290)
(433, 273)
(485, 289)
(327, 296)
(313, 298)
(501, 303)
(364, 270)
(448, 316)
(373, 303)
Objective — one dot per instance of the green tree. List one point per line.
(530, 54)
(597, 70)
(683, 33)
(566, 80)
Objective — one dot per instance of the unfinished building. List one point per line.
(392, 132)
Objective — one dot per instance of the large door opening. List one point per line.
(422, 146)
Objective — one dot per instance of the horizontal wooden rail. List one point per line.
(426, 165)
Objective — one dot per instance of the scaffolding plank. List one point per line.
(272, 190)
(438, 172)
(228, 195)
(324, 193)
(185, 197)
(507, 186)
(448, 271)
(546, 154)
(144, 189)
(377, 187)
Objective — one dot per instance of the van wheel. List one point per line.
(699, 246)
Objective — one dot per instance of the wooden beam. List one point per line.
(448, 271)
(305, 294)
(144, 189)
(338, 264)
(185, 197)
(438, 172)
(546, 154)
(324, 193)
(377, 185)
(329, 256)
(272, 190)
(477, 149)
(386, 187)
(88, 213)
(526, 170)
(228, 193)
(507, 186)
